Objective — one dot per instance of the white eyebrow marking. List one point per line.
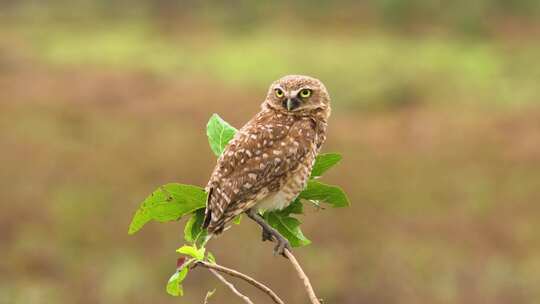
(294, 93)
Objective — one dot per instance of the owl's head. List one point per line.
(297, 94)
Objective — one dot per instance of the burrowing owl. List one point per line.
(268, 162)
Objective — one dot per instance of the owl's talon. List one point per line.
(282, 243)
(266, 236)
(270, 234)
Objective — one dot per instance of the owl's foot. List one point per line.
(270, 234)
(266, 236)
(282, 244)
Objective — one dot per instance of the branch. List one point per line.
(303, 277)
(242, 276)
(231, 286)
(269, 233)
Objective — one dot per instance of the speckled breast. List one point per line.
(295, 182)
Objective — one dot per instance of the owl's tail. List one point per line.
(208, 211)
(214, 221)
(208, 217)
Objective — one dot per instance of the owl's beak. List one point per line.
(292, 103)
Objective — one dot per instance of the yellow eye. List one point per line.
(305, 93)
(279, 93)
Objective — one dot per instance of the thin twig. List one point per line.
(231, 286)
(303, 277)
(242, 276)
(208, 295)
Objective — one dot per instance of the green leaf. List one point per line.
(174, 286)
(192, 251)
(323, 162)
(237, 220)
(219, 133)
(289, 227)
(332, 195)
(211, 257)
(193, 231)
(168, 203)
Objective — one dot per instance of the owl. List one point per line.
(269, 160)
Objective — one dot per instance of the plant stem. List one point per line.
(242, 276)
(231, 286)
(303, 277)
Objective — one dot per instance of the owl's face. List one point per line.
(296, 94)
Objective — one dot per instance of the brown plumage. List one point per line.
(268, 162)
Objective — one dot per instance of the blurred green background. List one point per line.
(436, 111)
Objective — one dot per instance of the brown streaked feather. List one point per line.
(207, 213)
(256, 163)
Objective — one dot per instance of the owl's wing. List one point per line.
(255, 164)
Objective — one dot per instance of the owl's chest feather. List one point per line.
(292, 185)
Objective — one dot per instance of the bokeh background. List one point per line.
(436, 111)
